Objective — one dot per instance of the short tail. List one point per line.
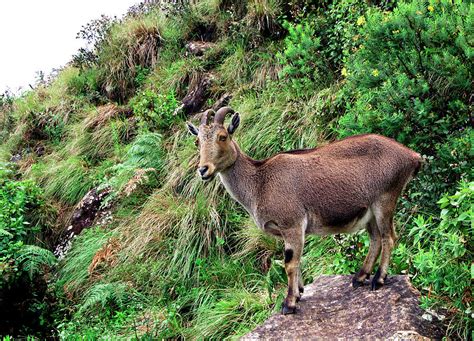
(419, 163)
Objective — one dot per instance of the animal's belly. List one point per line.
(316, 226)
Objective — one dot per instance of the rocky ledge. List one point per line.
(331, 309)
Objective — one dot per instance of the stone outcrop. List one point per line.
(91, 208)
(331, 309)
(198, 48)
(197, 94)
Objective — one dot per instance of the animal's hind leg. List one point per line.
(300, 283)
(294, 241)
(372, 255)
(384, 218)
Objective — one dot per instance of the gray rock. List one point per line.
(88, 210)
(198, 48)
(331, 309)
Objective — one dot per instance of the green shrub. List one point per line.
(94, 33)
(303, 66)
(338, 28)
(141, 75)
(441, 253)
(18, 202)
(154, 110)
(411, 79)
(46, 125)
(85, 85)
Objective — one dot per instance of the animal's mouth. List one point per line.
(207, 177)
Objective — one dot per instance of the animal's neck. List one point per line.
(239, 179)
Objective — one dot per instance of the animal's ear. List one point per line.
(234, 123)
(192, 129)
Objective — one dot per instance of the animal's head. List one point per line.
(216, 149)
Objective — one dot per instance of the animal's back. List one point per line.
(339, 180)
(359, 158)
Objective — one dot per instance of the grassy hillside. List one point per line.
(179, 258)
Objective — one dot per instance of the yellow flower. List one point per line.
(430, 8)
(360, 21)
(375, 72)
(344, 72)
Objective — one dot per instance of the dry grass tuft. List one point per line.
(139, 178)
(143, 50)
(263, 15)
(104, 114)
(106, 257)
(131, 45)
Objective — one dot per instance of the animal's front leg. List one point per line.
(294, 241)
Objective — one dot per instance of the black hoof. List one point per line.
(298, 299)
(375, 284)
(285, 310)
(301, 290)
(356, 283)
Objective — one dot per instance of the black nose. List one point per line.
(203, 170)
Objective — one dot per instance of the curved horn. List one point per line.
(206, 115)
(221, 114)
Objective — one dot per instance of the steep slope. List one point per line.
(172, 257)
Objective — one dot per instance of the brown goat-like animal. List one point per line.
(341, 187)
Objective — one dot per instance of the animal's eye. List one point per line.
(222, 138)
(196, 143)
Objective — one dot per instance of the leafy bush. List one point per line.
(18, 201)
(411, 79)
(94, 33)
(338, 28)
(154, 110)
(47, 125)
(141, 75)
(85, 84)
(303, 65)
(441, 254)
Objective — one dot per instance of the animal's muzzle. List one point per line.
(203, 170)
(206, 172)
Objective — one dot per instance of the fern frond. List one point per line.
(103, 294)
(4, 232)
(32, 259)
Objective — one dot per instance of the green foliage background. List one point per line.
(181, 259)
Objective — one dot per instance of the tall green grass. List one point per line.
(67, 180)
